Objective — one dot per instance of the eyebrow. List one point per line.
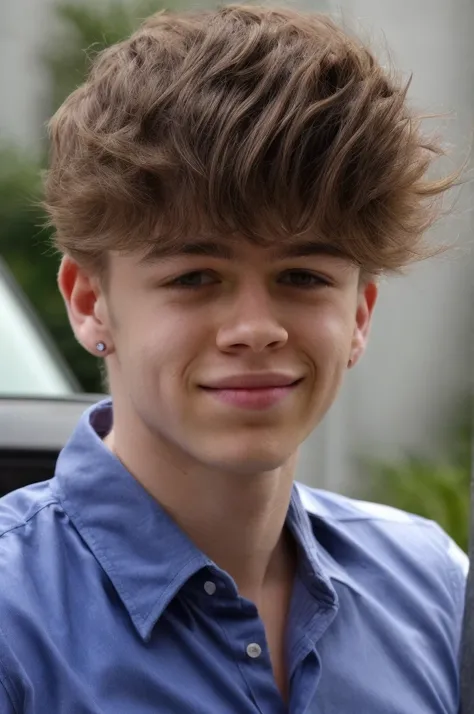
(213, 249)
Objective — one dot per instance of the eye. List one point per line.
(304, 279)
(195, 279)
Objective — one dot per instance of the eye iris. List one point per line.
(303, 279)
(192, 279)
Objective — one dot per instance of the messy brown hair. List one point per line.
(246, 122)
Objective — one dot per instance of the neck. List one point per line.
(237, 520)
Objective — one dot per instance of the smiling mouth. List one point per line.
(254, 387)
(253, 397)
(253, 380)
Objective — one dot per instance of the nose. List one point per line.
(252, 325)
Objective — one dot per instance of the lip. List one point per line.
(255, 392)
(255, 380)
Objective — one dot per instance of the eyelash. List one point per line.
(317, 280)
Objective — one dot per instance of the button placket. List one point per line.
(246, 632)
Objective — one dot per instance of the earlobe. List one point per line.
(81, 294)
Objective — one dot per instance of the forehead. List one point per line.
(231, 249)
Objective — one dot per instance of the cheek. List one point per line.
(163, 348)
(329, 351)
(331, 334)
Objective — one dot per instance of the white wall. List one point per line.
(419, 361)
(24, 25)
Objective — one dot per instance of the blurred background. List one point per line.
(400, 431)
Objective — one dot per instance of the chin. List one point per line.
(248, 450)
(248, 460)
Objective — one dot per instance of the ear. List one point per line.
(367, 298)
(86, 306)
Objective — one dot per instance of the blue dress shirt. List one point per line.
(107, 607)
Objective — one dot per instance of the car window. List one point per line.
(28, 363)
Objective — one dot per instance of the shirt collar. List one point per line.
(143, 551)
(318, 527)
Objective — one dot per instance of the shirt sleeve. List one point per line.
(9, 699)
(459, 568)
(6, 704)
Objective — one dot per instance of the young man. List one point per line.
(225, 188)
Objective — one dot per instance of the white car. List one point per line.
(40, 399)
(30, 365)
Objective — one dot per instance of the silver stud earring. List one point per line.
(100, 347)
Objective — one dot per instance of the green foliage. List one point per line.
(19, 225)
(84, 29)
(24, 244)
(437, 490)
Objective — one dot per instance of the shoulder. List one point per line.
(403, 544)
(28, 546)
(20, 507)
(32, 544)
(27, 518)
(400, 584)
(48, 580)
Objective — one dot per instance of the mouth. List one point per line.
(257, 396)
(262, 380)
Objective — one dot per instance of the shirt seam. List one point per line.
(30, 518)
(413, 520)
(314, 589)
(2, 683)
(5, 678)
(297, 652)
(298, 647)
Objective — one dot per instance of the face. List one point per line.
(231, 356)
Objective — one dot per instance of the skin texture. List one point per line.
(176, 324)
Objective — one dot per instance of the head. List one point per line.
(226, 188)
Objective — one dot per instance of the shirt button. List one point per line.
(210, 587)
(254, 650)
